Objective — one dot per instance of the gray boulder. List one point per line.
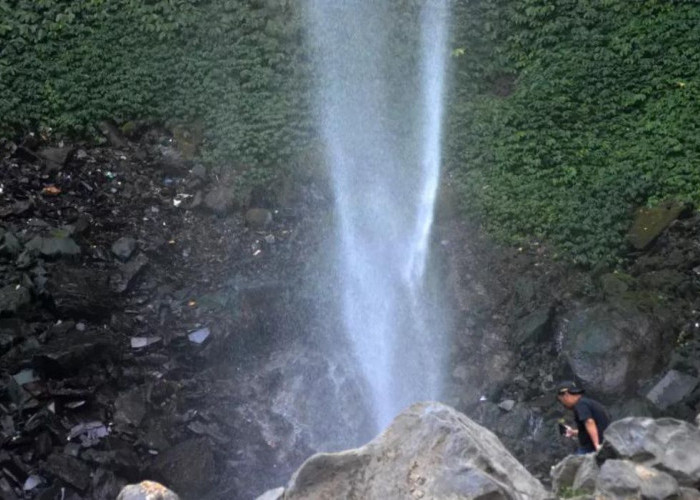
(146, 490)
(666, 444)
(622, 480)
(429, 451)
(575, 473)
(123, 248)
(614, 347)
(672, 388)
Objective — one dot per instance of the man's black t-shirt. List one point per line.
(587, 408)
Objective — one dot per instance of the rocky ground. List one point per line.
(131, 279)
(154, 324)
(630, 335)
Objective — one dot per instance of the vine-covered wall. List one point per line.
(563, 115)
(566, 114)
(236, 67)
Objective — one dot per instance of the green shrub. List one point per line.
(603, 116)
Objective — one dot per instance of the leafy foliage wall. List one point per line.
(563, 114)
(568, 113)
(235, 66)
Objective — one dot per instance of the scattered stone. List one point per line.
(79, 292)
(199, 336)
(672, 388)
(55, 158)
(649, 223)
(89, 433)
(199, 171)
(220, 200)
(507, 405)
(188, 467)
(141, 342)
(258, 218)
(69, 469)
(9, 244)
(533, 328)
(122, 281)
(32, 482)
(146, 490)
(276, 494)
(123, 248)
(130, 408)
(113, 135)
(54, 247)
(14, 299)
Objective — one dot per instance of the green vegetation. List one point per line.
(563, 115)
(234, 66)
(568, 113)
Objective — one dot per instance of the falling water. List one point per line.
(380, 103)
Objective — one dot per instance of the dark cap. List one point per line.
(569, 386)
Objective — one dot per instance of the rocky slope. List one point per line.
(155, 326)
(139, 304)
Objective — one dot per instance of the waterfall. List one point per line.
(379, 93)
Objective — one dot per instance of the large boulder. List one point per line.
(429, 451)
(623, 480)
(615, 347)
(666, 444)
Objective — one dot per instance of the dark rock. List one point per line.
(68, 354)
(199, 171)
(54, 247)
(258, 218)
(534, 328)
(649, 223)
(55, 158)
(14, 299)
(122, 281)
(105, 484)
(146, 490)
(187, 467)
(220, 200)
(113, 134)
(621, 480)
(130, 408)
(78, 292)
(673, 388)
(9, 244)
(614, 347)
(615, 284)
(69, 469)
(123, 248)
(171, 161)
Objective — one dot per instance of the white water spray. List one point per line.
(381, 120)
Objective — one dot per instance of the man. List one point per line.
(591, 417)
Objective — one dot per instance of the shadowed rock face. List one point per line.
(429, 451)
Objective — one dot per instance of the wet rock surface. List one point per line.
(629, 335)
(429, 451)
(136, 325)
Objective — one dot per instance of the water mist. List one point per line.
(379, 94)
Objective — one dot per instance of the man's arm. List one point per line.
(592, 431)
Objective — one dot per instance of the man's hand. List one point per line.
(569, 432)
